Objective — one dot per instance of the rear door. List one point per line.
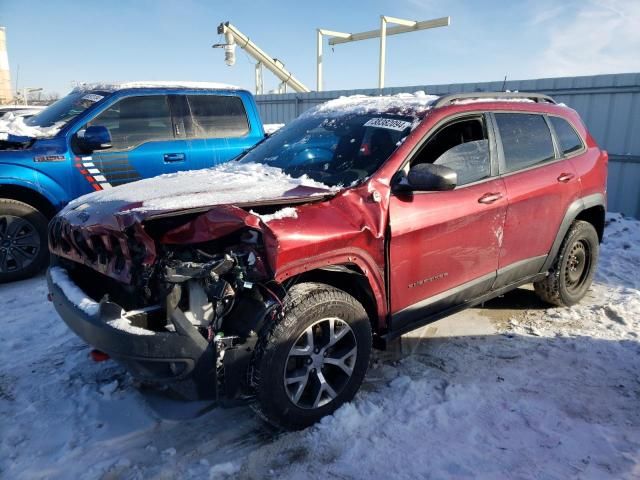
(143, 138)
(217, 128)
(540, 184)
(444, 245)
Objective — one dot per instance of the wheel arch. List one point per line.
(591, 209)
(29, 196)
(350, 279)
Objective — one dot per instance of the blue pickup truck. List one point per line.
(104, 135)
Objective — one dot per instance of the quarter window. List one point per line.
(567, 137)
(136, 120)
(217, 116)
(526, 140)
(462, 146)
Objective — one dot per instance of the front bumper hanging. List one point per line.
(183, 360)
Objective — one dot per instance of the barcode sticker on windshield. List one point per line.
(389, 123)
(92, 97)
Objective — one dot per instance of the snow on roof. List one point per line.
(114, 86)
(12, 123)
(464, 101)
(402, 103)
(227, 183)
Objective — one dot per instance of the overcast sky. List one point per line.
(54, 43)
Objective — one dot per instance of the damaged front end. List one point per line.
(179, 315)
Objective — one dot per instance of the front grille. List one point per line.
(103, 251)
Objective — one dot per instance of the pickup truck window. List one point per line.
(335, 150)
(217, 116)
(136, 120)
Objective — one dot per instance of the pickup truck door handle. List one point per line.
(565, 177)
(490, 198)
(174, 157)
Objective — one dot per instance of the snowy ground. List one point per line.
(543, 393)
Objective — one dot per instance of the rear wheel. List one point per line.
(23, 240)
(312, 359)
(573, 269)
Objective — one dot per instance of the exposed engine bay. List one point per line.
(222, 288)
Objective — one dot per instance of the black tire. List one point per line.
(310, 307)
(572, 271)
(23, 241)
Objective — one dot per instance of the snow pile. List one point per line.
(552, 394)
(114, 86)
(12, 124)
(124, 324)
(80, 299)
(287, 212)
(401, 103)
(271, 128)
(228, 183)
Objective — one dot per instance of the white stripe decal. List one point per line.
(87, 158)
(106, 185)
(99, 178)
(93, 170)
(88, 164)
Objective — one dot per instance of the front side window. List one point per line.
(335, 149)
(136, 120)
(462, 146)
(526, 140)
(217, 116)
(567, 137)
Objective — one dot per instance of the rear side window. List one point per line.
(569, 140)
(136, 120)
(526, 140)
(217, 116)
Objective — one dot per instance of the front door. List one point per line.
(445, 245)
(143, 138)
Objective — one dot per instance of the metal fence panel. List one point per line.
(608, 104)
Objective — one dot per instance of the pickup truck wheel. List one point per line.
(23, 240)
(312, 358)
(572, 272)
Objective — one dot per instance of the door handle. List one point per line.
(490, 198)
(565, 177)
(174, 157)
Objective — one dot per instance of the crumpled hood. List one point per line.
(231, 183)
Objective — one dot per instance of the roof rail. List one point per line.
(450, 99)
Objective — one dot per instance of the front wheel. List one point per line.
(573, 269)
(23, 240)
(313, 358)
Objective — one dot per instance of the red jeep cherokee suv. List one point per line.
(270, 277)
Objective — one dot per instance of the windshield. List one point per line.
(65, 109)
(335, 150)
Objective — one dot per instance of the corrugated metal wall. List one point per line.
(608, 104)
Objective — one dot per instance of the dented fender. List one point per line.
(346, 229)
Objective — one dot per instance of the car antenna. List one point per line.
(504, 83)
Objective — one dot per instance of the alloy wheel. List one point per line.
(320, 363)
(19, 243)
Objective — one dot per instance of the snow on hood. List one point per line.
(12, 124)
(408, 103)
(114, 86)
(228, 183)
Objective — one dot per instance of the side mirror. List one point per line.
(95, 137)
(427, 177)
